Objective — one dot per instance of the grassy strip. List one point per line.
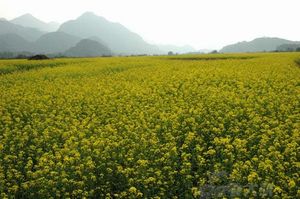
(20, 66)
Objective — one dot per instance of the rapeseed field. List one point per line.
(201, 126)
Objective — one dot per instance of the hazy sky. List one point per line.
(200, 23)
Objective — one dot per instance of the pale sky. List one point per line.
(200, 23)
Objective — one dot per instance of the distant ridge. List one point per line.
(14, 43)
(30, 34)
(27, 20)
(55, 42)
(257, 45)
(289, 47)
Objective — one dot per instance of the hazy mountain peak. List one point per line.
(28, 20)
(88, 48)
(116, 36)
(268, 39)
(27, 15)
(88, 15)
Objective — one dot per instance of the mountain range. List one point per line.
(29, 34)
(92, 35)
(119, 39)
(263, 44)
